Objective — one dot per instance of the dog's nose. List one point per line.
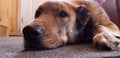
(32, 31)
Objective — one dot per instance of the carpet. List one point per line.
(12, 47)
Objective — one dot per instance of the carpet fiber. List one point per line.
(12, 47)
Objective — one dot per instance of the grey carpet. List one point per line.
(12, 47)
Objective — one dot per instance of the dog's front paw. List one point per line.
(106, 41)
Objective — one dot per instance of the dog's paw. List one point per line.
(106, 41)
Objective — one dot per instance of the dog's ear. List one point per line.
(38, 12)
(83, 15)
(84, 22)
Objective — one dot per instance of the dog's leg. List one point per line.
(106, 33)
(104, 38)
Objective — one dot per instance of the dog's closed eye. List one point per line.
(62, 14)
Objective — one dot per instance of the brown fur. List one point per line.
(63, 30)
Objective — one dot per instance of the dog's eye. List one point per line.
(62, 14)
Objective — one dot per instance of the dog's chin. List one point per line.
(37, 48)
(38, 45)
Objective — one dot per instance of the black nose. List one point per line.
(32, 31)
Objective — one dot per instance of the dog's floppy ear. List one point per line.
(83, 15)
(84, 23)
(38, 12)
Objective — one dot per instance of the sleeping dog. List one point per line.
(58, 23)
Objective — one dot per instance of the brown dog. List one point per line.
(66, 22)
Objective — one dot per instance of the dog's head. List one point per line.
(56, 23)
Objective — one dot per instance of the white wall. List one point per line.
(26, 12)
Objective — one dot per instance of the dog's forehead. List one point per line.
(53, 5)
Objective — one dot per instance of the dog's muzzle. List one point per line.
(33, 37)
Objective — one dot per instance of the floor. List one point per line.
(12, 47)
